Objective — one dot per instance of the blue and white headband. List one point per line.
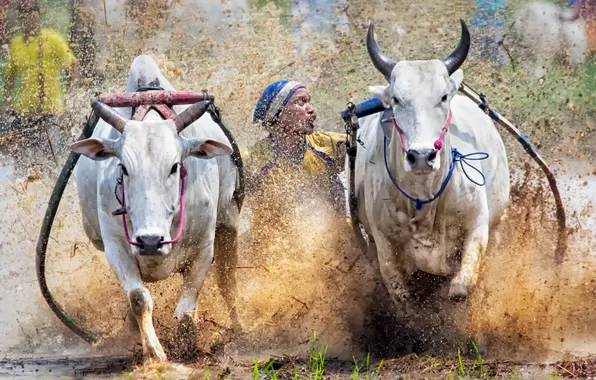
(273, 100)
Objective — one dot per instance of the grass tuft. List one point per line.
(461, 370)
(368, 375)
(316, 359)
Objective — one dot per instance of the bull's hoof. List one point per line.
(458, 292)
(186, 339)
(154, 352)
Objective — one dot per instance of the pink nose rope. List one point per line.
(438, 142)
(180, 228)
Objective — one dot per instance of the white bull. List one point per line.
(548, 33)
(148, 156)
(447, 236)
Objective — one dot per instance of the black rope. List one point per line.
(239, 192)
(118, 184)
(44, 236)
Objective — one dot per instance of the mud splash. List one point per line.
(528, 306)
(300, 270)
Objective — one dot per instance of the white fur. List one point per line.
(148, 150)
(406, 239)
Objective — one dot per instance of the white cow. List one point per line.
(148, 155)
(548, 33)
(456, 224)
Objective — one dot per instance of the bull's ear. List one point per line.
(95, 149)
(381, 93)
(207, 148)
(457, 78)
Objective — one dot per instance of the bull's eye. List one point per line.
(124, 171)
(395, 100)
(174, 169)
(444, 98)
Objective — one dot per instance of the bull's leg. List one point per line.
(473, 250)
(126, 270)
(226, 257)
(142, 308)
(188, 303)
(193, 278)
(393, 272)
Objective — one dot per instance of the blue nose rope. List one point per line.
(456, 156)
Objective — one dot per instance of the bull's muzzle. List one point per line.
(150, 245)
(421, 160)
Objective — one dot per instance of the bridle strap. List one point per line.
(183, 173)
(139, 114)
(438, 144)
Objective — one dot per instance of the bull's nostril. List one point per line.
(432, 156)
(411, 158)
(150, 244)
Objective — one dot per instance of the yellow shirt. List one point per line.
(23, 60)
(322, 159)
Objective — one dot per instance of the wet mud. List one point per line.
(300, 269)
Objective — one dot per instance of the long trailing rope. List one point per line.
(54, 203)
(239, 192)
(480, 99)
(44, 236)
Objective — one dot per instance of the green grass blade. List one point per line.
(460, 368)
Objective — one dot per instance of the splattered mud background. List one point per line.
(300, 269)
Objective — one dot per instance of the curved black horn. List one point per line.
(454, 60)
(383, 63)
(109, 115)
(190, 115)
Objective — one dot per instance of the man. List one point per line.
(286, 112)
(36, 56)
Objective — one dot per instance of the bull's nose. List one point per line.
(150, 245)
(420, 159)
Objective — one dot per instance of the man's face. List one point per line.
(299, 115)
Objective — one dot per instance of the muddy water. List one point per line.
(300, 271)
(527, 306)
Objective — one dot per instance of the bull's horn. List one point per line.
(190, 115)
(109, 115)
(454, 60)
(383, 63)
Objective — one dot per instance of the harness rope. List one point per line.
(456, 156)
(62, 181)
